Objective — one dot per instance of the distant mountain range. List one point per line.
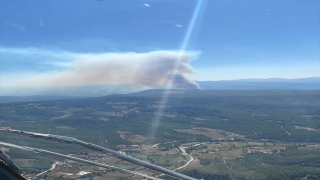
(312, 83)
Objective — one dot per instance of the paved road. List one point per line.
(52, 168)
(184, 153)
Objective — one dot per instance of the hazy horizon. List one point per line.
(311, 83)
(155, 44)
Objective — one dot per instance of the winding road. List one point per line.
(52, 168)
(184, 153)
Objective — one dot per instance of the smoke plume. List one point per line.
(152, 69)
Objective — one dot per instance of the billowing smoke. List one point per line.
(157, 69)
(180, 82)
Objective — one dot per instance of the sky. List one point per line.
(141, 44)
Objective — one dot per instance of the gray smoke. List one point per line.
(180, 81)
(152, 69)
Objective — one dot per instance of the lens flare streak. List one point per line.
(199, 9)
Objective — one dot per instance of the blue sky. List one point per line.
(230, 39)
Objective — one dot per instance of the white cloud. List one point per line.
(173, 23)
(41, 23)
(17, 26)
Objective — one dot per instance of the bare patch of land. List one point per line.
(214, 134)
(135, 138)
(305, 128)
